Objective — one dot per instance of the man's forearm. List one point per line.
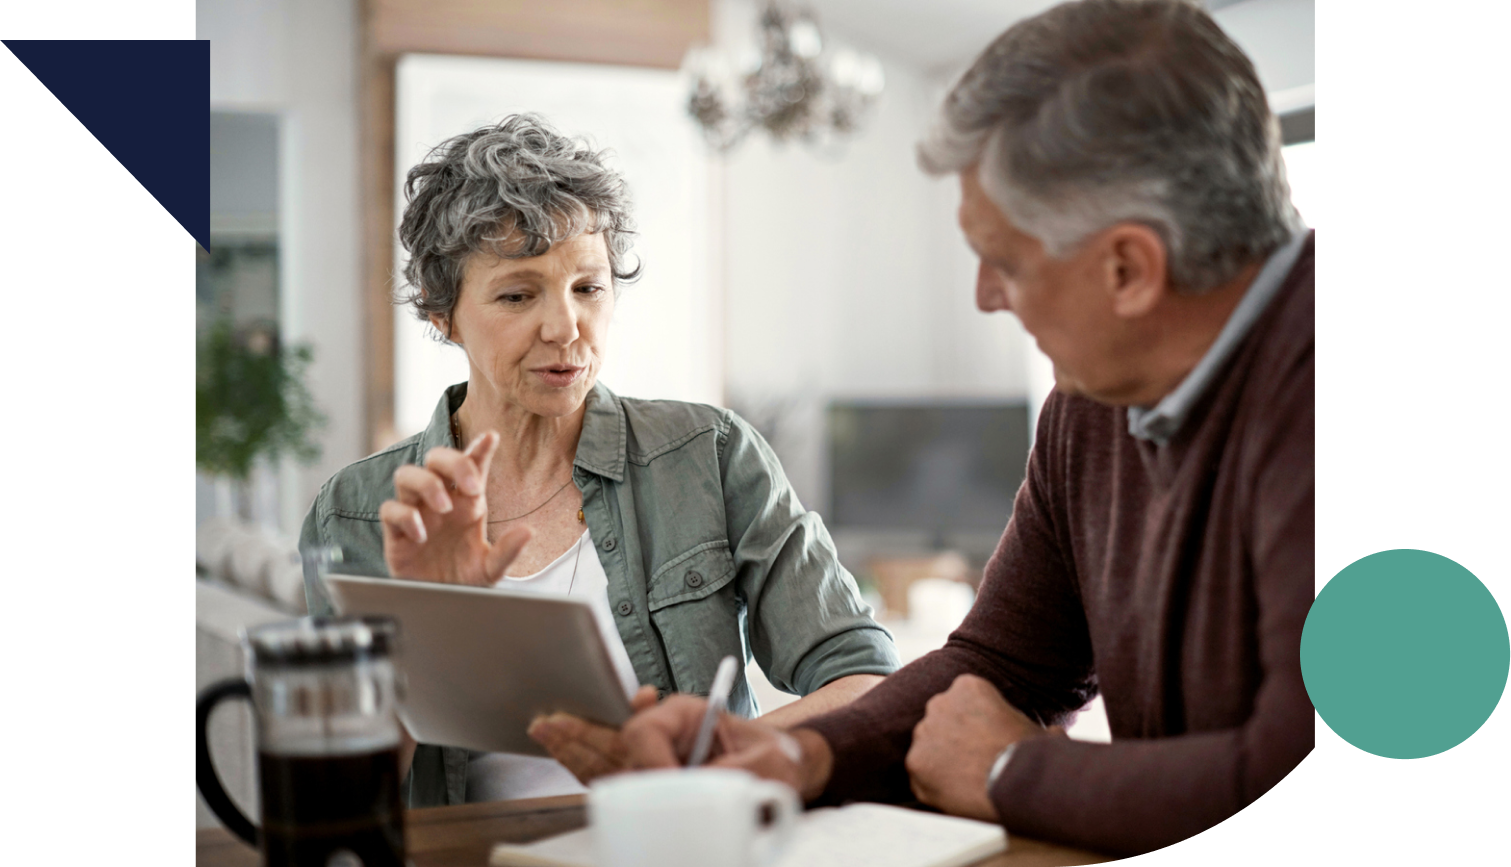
(1137, 795)
(816, 764)
(834, 694)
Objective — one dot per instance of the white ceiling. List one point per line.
(933, 35)
(942, 37)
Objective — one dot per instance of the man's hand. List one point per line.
(963, 730)
(586, 749)
(663, 737)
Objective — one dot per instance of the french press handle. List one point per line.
(209, 782)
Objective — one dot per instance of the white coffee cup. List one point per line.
(708, 817)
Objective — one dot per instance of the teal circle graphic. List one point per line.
(1407, 659)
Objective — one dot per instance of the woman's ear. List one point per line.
(442, 324)
(1139, 278)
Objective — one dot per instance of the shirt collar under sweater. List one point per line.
(1163, 421)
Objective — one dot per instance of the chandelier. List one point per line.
(791, 84)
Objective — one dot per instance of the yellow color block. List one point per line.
(1425, 292)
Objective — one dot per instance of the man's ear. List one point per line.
(1136, 269)
(443, 325)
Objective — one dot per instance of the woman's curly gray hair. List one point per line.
(513, 189)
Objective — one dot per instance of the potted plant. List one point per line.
(251, 404)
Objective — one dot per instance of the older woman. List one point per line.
(675, 518)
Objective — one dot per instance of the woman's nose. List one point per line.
(560, 325)
(991, 290)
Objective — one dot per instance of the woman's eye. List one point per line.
(512, 298)
(590, 289)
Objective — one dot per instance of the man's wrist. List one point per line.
(815, 764)
(998, 766)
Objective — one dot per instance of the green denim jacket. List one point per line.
(707, 550)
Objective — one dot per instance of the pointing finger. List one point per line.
(482, 449)
(457, 469)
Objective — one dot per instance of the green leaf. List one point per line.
(251, 402)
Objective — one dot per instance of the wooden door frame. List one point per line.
(649, 33)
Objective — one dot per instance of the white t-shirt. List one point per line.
(507, 776)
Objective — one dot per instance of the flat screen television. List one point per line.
(944, 468)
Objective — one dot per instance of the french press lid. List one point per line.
(322, 640)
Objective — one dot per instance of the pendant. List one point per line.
(580, 518)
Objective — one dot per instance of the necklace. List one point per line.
(537, 508)
(456, 442)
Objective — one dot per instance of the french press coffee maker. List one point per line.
(324, 693)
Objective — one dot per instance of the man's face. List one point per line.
(1065, 304)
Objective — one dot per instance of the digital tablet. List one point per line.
(480, 662)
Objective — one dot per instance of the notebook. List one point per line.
(857, 835)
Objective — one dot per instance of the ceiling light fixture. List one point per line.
(792, 84)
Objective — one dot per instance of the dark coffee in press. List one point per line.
(316, 807)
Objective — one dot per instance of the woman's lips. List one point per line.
(559, 376)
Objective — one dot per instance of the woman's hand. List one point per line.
(436, 528)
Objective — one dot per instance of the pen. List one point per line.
(724, 680)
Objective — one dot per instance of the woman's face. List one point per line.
(535, 330)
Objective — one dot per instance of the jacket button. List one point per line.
(624, 609)
(609, 544)
(694, 580)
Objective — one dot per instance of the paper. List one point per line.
(859, 835)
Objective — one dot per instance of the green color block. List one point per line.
(1407, 659)
(1433, 376)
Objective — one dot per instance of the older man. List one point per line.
(1122, 184)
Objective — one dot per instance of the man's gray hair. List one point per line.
(513, 190)
(1106, 111)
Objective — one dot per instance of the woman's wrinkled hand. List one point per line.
(436, 527)
(586, 749)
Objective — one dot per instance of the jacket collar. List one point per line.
(600, 449)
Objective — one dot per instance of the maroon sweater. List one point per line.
(1173, 579)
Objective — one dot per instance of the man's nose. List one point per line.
(991, 290)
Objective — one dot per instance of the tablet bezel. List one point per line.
(481, 662)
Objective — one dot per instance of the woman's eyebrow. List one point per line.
(528, 273)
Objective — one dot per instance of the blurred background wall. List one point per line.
(295, 65)
(806, 287)
(832, 275)
(824, 293)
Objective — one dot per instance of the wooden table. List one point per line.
(462, 836)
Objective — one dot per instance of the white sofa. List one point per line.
(247, 577)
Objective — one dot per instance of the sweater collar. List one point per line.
(1164, 420)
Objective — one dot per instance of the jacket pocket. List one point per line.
(694, 574)
(694, 605)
